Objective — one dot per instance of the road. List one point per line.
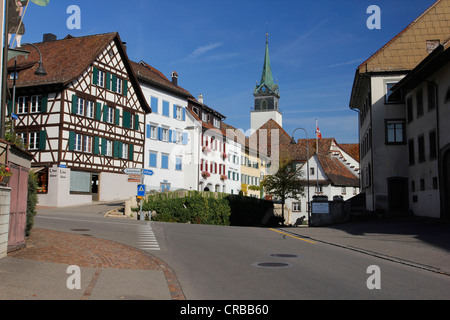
(237, 263)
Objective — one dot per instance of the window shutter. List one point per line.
(131, 153)
(125, 87)
(103, 147)
(95, 76)
(42, 140)
(174, 111)
(148, 131)
(116, 149)
(170, 135)
(117, 120)
(105, 113)
(108, 81)
(74, 103)
(185, 138)
(71, 141)
(98, 111)
(160, 133)
(126, 119)
(153, 157)
(136, 122)
(120, 149)
(44, 103)
(10, 107)
(154, 105)
(184, 114)
(96, 145)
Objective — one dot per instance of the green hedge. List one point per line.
(206, 208)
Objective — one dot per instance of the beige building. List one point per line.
(382, 117)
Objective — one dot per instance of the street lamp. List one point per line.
(307, 169)
(40, 71)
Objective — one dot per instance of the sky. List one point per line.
(217, 48)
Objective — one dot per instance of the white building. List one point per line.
(166, 145)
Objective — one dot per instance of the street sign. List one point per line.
(14, 116)
(134, 180)
(141, 190)
(134, 176)
(147, 172)
(134, 171)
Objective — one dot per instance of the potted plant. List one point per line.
(223, 177)
(5, 174)
(206, 174)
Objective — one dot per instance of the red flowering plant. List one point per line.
(4, 171)
(223, 177)
(206, 174)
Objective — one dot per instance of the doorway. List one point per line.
(398, 196)
(94, 186)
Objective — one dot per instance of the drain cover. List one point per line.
(271, 264)
(284, 255)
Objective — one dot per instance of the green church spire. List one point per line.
(266, 85)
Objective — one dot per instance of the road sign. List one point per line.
(134, 180)
(141, 190)
(14, 116)
(134, 171)
(147, 172)
(134, 176)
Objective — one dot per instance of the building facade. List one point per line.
(83, 122)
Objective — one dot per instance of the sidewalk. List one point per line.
(418, 242)
(109, 271)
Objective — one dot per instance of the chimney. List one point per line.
(200, 98)
(174, 78)
(48, 37)
(124, 46)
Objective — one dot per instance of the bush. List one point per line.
(32, 201)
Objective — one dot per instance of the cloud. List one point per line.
(200, 51)
(346, 63)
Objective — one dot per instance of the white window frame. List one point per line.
(33, 140)
(179, 112)
(153, 131)
(204, 117)
(90, 109)
(22, 105)
(165, 134)
(216, 122)
(119, 85)
(110, 115)
(109, 148)
(125, 151)
(101, 78)
(297, 206)
(80, 107)
(78, 146)
(87, 144)
(35, 104)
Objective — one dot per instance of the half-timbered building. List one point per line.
(84, 122)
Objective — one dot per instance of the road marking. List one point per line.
(293, 236)
(146, 238)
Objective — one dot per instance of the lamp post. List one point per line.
(307, 169)
(40, 71)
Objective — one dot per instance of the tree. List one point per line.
(285, 183)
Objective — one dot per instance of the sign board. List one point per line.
(134, 171)
(147, 172)
(14, 116)
(141, 190)
(320, 207)
(134, 176)
(134, 180)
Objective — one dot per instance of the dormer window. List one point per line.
(204, 117)
(216, 122)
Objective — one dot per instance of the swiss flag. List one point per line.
(319, 135)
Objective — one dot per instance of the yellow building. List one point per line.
(252, 172)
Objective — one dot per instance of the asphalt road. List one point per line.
(236, 263)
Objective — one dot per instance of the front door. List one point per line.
(398, 196)
(94, 188)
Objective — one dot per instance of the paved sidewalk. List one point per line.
(109, 271)
(418, 242)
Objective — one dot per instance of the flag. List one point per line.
(41, 3)
(319, 135)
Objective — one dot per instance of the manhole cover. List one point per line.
(271, 264)
(81, 230)
(284, 255)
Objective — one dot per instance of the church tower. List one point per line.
(267, 96)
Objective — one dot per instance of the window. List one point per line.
(389, 99)
(34, 141)
(311, 171)
(119, 85)
(296, 206)
(109, 148)
(319, 189)
(153, 132)
(165, 134)
(421, 145)
(87, 144)
(343, 190)
(411, 152)
(89, 109)
(409, 105)
(22, 105)
(101, 78)
(165, 111)
(216, 122)
(395, 131)
(78, 142)
(419, 98)
(179, 112)
(109, 115)
(80, 107)
(179, 164)
(153, 159)
(433, 145)
(35, 105)
(204, 117)
(431, 97)
(125, 151)
(164, 161)
(80, 182)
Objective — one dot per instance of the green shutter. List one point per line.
(74, 103)
(96, 145)
(126, 119)
(10, 107)
(114, 83)
(71, 141)
(42, 140)
(116, 149)
(117, 120)
(108, 81)
(136, 122)
(95, 76)
(98, 111)
(125, 87)
(105, 113)
(103, 147)
(120, 149)
(131, 153)
(44, 103)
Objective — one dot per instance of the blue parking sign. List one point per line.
(141, 190)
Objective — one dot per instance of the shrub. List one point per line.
(32, 201)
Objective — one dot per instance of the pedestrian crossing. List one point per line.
(146, 238)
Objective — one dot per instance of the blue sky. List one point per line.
(217, 48)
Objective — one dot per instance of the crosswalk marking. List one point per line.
(146, 238)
